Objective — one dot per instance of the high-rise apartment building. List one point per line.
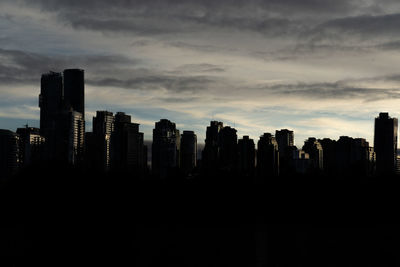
(74, 90)
(267, 157)
(69, 134)
(165, 148)
(62, 115)
(285, 139)
(50, 103)
(188, 151)
(246, 156)
(385, 143)
(210, 154)
(314, 149)
(127, 149)
(9, 154)
(31, 145)
(228, 148)
(103, 127)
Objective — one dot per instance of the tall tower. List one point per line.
(285, 139)
(210, 154)
(267, 157)
(50, 99)
(228, 148)
(314, 149)
(385, 143)
(246, 156)
(62, 111)
(50, 103)
(165, 148)
(9, 161)
(74, 90)
(103, 127)
(30, 145)
(127, 148)
(188, 151)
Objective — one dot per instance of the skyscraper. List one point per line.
(246, 156)
(314, 149)
(353, 157)
(62, 115)
(127, 148)
(50, 103)
(74, 90)
(228, 148)
(188, 151)
(103, 127)
(285, 139)
(31, 145)
(69, 135)
(210, 154)
(329, 155)
(385, 143)
(165, 148)
(9, 160)
(267, 157)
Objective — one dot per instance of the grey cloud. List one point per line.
(361, 28)
(272, 17)
(336, 90)
(26, 68)
(200, 47)
(19, 67)
(202, 68)
(172, 83)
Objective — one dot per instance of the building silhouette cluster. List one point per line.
(117, 145)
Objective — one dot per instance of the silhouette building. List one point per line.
(246, 156)
(228, 148)
(267, 157)
(210, 154)
(353, 157)
(50, 103)
(62, 115)
(74, 90)
(188, 151)
(329, 155)
(69, 136)
(165, 148)
(285, 139)
(100, 143)
(31, 144)
(9, 154)
(127, 148)
(315, 151)
(301, 161)
(385, 143)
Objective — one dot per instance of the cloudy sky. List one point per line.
(322, 68)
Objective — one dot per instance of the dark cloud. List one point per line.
(336, 90)
(25, 67)
(172, 83)
(201, 68)
(102, 70)
(271, 17)
(368, 28)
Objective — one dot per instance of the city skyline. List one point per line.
(320, 69)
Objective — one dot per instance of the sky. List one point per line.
(321, 68)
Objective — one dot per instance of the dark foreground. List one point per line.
(83, 220)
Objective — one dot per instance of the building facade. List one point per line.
(385, 143)
(165, 149)
(188, 151)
